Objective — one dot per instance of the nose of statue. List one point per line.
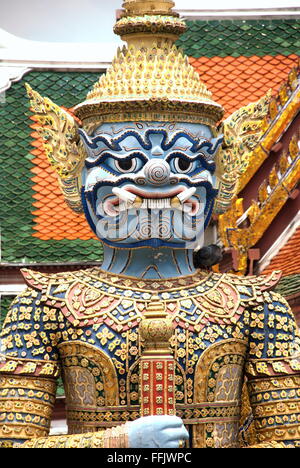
(157, 172)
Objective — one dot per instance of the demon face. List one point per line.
(149, 184)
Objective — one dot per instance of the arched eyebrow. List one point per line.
(211, 146)
(113, 144)
(106, 154)
(206, 163)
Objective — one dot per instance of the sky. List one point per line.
(236, 4)
(91, 20)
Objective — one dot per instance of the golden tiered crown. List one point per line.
(150, 78)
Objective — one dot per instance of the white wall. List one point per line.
(92, 20)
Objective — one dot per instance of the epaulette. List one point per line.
(253, 287)
(90, 296)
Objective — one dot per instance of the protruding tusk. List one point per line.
(175, 202)
(178, 201)
(124, 195)
(137, 202)
(186, 194)
(131, 200)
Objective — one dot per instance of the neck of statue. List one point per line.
(148, 263)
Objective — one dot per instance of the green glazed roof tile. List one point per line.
(17, 243)
(4, 306)
(244, 37)
(289, 285)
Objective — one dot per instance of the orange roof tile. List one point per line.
(53, 218)
(287, 260)
(237, 81)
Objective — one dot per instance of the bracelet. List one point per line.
(116, 437)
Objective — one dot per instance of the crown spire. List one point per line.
(145, 22)
(145, 7)
(150, 78)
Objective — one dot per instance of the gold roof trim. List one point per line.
(242, 132)
(271, 197)
(282, 110)
(276, 188)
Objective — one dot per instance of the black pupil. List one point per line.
(125, 164)
(183, 164)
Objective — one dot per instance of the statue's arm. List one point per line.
(29, 368)
(147, 432)
(273, 373)
(26, 409)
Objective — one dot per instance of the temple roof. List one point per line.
(237, 81)
(36, 224)
(235, 38)
(289, 286)
(287, 259)
(238, 60)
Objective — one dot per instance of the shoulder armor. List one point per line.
(262, 282)
(90, 296)
(40, 281)
(251, 288)
(53, 286)
(79, 295)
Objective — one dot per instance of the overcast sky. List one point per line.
(92, 20)
(228, 4)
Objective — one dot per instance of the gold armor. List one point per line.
(85, 324)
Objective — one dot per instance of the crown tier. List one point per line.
(147, 21)
(148, 82)
(147, 28)
(150, 79)
(145, 7)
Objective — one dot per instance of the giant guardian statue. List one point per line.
(152, 352)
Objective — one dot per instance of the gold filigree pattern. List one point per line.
(242, 132)
(219, 377)
(110, 438)
(58, 129)
(222, 325)
(276, 408)
(26, 366)
(26, 406)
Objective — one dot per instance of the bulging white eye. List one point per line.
(182, 165)
(126, 165)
